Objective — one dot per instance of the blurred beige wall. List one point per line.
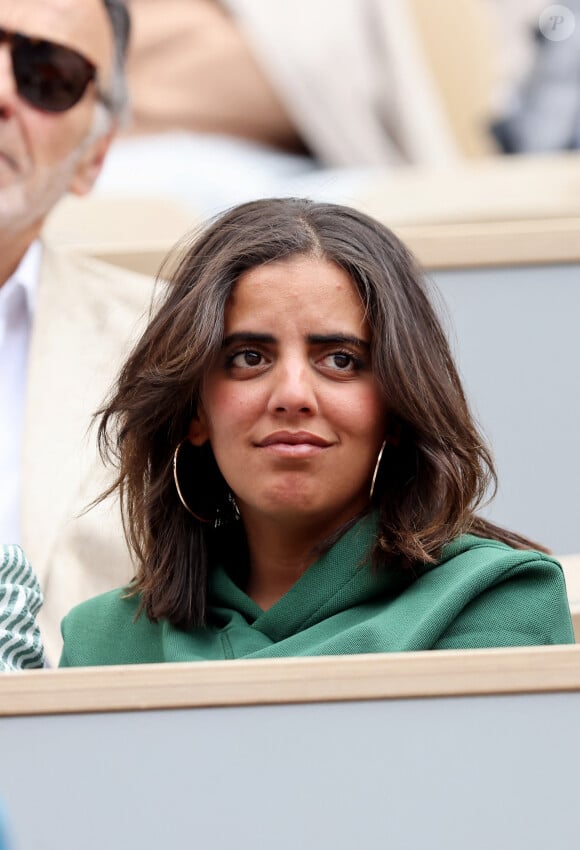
(459, 40)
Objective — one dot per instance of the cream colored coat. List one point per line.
(86, 315)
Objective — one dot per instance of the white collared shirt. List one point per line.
(17, 306)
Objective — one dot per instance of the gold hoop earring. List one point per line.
(178, 488)
(376, 471)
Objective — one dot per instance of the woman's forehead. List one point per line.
(300, 287)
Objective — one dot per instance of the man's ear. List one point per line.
(198, 431)
(89, 166)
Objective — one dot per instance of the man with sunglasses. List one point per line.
(65, 322)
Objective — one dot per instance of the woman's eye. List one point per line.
(343, 361)
(245, 359)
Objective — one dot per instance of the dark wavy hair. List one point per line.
(437, 471)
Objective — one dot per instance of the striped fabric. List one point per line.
(20, 601)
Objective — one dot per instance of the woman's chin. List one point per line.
(300, 511)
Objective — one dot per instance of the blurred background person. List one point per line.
(240, 99)
(244, 98)
(65, 321)
(541, 107)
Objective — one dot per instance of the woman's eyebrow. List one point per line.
(337, 339)
(248, 337)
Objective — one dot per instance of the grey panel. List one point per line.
(447, 773)
(517, 339)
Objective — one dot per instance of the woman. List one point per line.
(298, 467)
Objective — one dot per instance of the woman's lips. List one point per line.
(294, 443)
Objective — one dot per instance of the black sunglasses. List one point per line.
(48, 76)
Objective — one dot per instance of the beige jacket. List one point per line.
(86, 315)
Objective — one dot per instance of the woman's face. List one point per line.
(292, 410)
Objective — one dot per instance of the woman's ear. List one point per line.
(198, 431)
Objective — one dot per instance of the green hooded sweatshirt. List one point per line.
(482, 593)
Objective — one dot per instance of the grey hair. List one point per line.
(116, 99)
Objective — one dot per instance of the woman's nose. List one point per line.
(293, 389)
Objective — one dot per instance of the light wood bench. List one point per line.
(493, 189)
(496, 209)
